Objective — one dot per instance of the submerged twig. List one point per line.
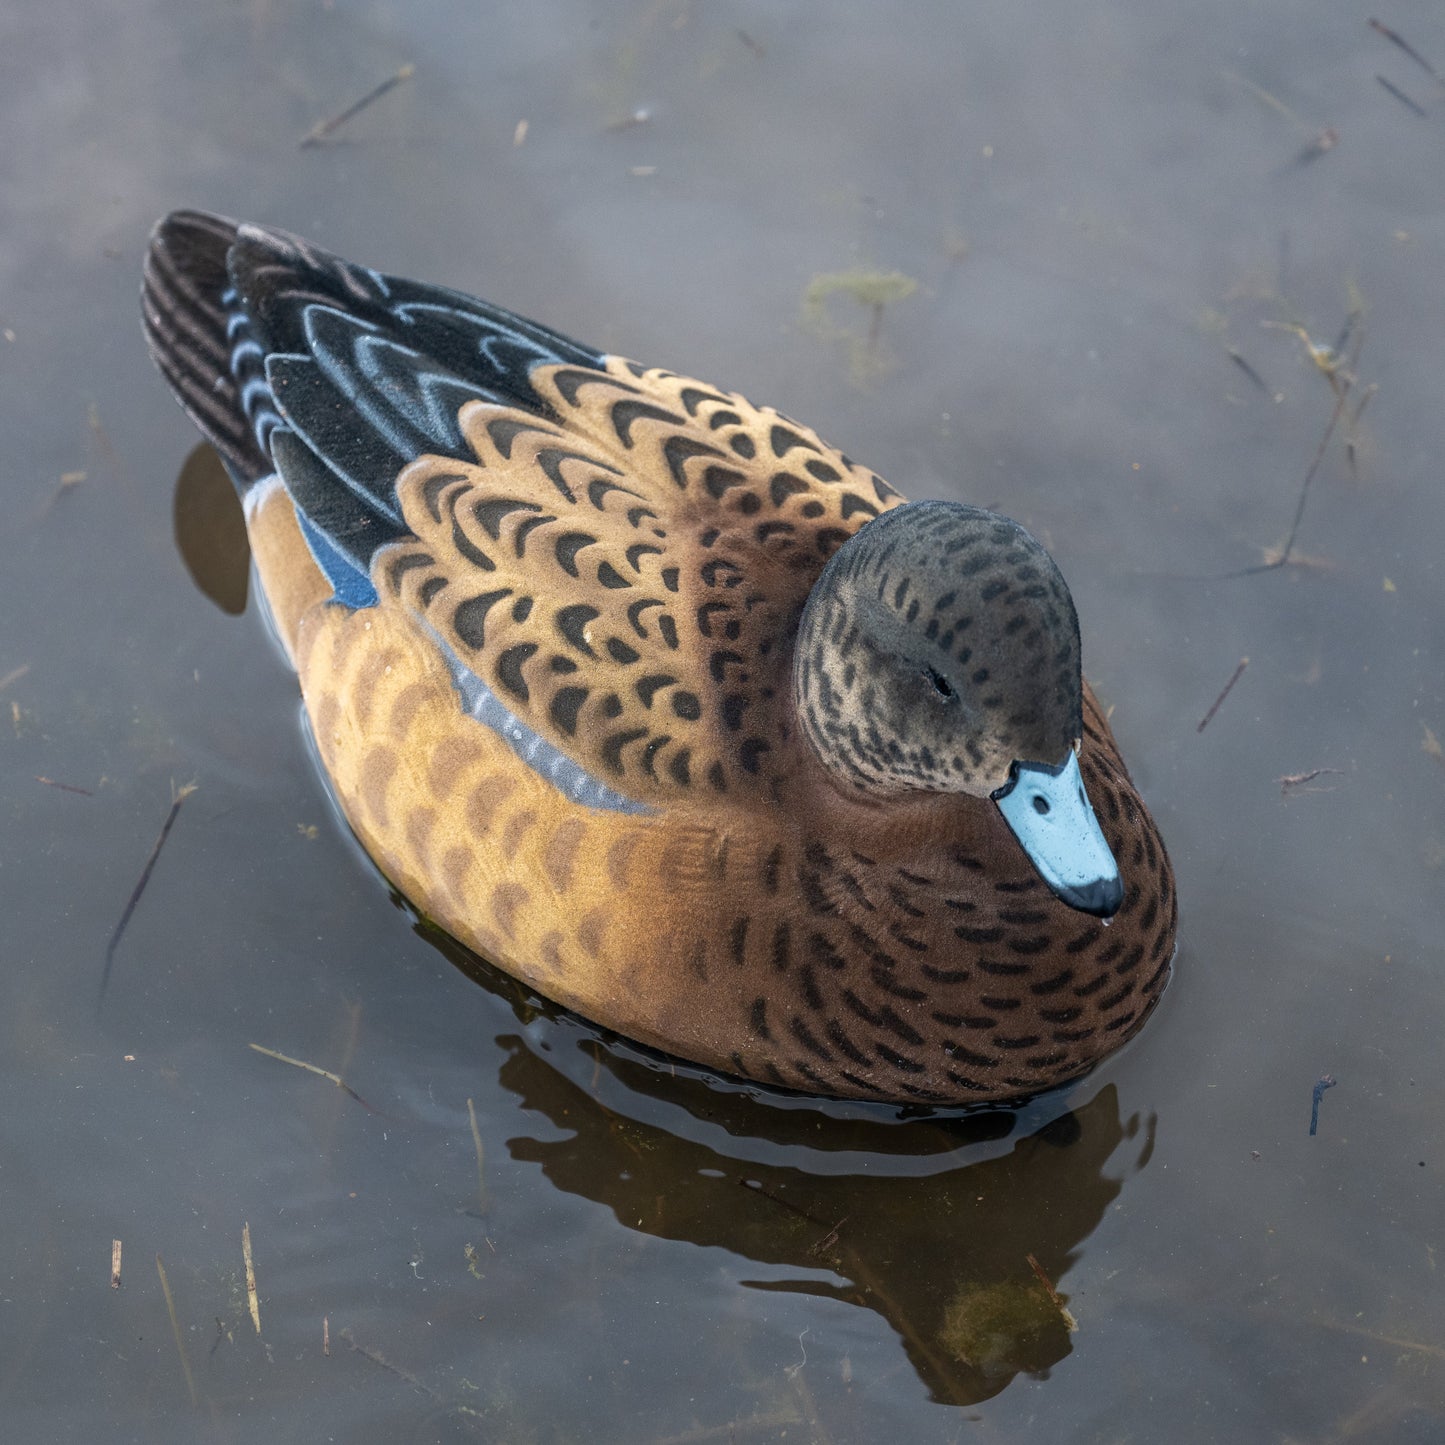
(115, 1264)
(176, 1329)
(829, 1240)
(180, 797)
(1352, 440)
(14, 675)
(1298, 780)
(1404, 99)
(1282, 555)
(64, 787)
(1218, 702)
(68, 482)
(313, 1069)
(324, 128)
(754, 1187)
(1363, 402)
(1326, 1081)
(477, 1144)
(1320, 140)
(1380, 28)
(1248, 370)
(253, 1301)
(1326, 140)
(377, 1358)
(1304, 491)
(1339, 370)
(353, 1033)
(791, 1370)
(1069, 1321)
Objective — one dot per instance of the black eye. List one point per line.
(1041, 803)
(941, 684)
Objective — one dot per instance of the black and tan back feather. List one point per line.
(621, 554)
(627, 572)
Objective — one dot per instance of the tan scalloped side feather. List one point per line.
(628, 578)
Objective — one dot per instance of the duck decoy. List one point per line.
(662, 704)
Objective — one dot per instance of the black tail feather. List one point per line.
(185, 325)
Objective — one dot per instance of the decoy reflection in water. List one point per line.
(210, 530)
(939, 1249)
(663, 704)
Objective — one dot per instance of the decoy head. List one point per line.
(939, 652)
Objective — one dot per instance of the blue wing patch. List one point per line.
(350, 584)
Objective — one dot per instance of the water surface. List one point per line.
(1101, 207)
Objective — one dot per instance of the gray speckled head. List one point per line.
(939, 646)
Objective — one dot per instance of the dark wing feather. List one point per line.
(281, 278)
(291, 359)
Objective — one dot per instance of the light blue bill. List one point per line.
(1050, 815)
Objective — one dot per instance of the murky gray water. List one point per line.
(1099, 204)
